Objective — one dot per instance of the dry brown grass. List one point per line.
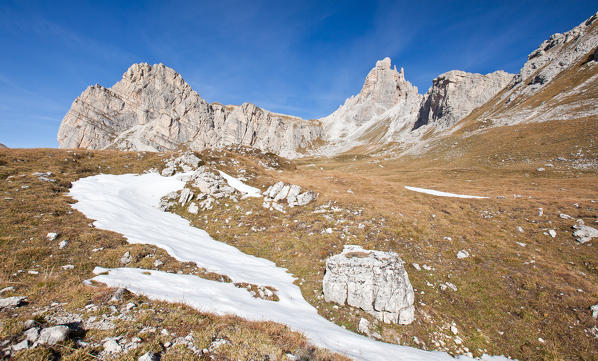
(30, 208)
(508, 295)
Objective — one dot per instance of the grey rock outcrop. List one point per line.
(554, 55)
(12, 302)
(584, 233)
(536, 94)
(455, 94)
(2, 146)
(290, 192)
(153, 109)
(374, 281)
(185, 162)
(210, 183)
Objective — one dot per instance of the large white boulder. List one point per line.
(583, 233)
(374, 281)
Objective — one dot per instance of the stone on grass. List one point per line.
(63, 244)
(186, 196)
(52, 236)
(552, 233)
(7, 289)
(112, 346)
(306, 197)
(28, 324)
(462, 254)
(54, 335)
(374, 281)
(119, 294)
(12, 302)
(23, 345)
(126, 258)
(32, 334)
(364, 326)
(148, 356)
(193, 208)
(293, 193)
(584, 234)
(594, 310)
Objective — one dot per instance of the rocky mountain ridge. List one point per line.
(152, 108)
(557, 82)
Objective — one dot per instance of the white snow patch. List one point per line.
(441, 194)
(127, 204)
(236, 183)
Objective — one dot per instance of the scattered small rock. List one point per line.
(552, 233)
(193, 208)
(12, 302)
(119, 294)
(126, 258)
(148, 356)
(462, 254)
(7, 289)
(63, 244)
(51, 236)
(594, 310)
(23, 345)
(32, 334)
(54, 335)
(112, 346)
(584, 233)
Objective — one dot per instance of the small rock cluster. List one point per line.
(12, 302)
(374, 281)
(281, 191)
(34, 335)
(186, 162)
(209, 186)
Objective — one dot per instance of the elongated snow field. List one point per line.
(127, 204)
(442, 194)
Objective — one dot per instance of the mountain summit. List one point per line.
(153, 108)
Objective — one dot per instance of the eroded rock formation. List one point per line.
(455, 94)
(153, 108)
(374, 281)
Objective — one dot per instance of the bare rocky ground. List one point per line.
(504, 275)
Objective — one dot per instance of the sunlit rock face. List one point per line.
(152, 108)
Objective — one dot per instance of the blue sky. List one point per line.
(302, 57)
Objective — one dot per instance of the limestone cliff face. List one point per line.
(455, 94)
(389, 108)
(153, 108)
